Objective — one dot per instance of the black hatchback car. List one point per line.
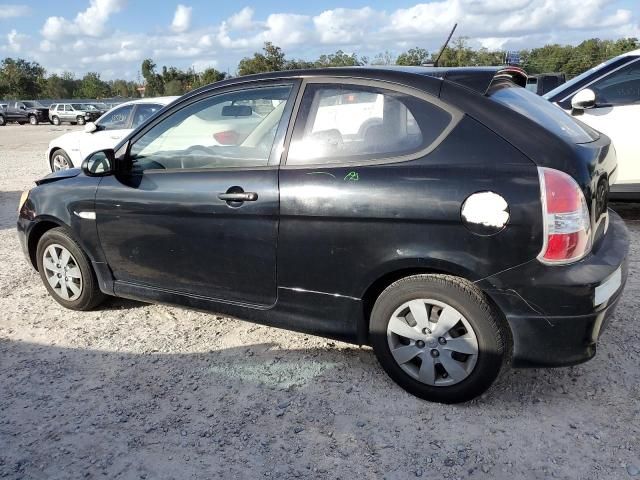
(451, 219)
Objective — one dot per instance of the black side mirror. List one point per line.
(100, 163)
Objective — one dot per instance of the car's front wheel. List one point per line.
(3, 121)
(438, 337)
(66, 272)
(60, 161)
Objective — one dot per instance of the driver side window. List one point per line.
(619, 88)
(234, 129)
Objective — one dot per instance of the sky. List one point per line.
(112, 37)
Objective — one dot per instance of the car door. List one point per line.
(352, 173)
(616, 114)
(193, 217)
(112, 128)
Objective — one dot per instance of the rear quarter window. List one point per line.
(544, 113)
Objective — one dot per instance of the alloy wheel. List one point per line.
(60, 162)
(432, 342)
(62, 272)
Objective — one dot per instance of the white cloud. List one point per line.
(14, 41)
(12, 11)
(344, 25)
(181, 19)
(91, 40)
(241, 20)
(90, 22)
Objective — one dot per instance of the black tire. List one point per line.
(33, 120)
(55, 120)
(90, 295)
(3, 121)
(491, 331)
(62, 153)
(80, 120)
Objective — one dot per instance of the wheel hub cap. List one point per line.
(62, 272)
(432, 342)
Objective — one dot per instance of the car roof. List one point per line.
(632, 53)
(160, 100)
(475, 78)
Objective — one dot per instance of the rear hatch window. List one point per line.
(544, 112)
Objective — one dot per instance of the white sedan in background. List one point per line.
(70, 149)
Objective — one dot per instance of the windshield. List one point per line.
(579, 78)
(544, 113)
(33, 105)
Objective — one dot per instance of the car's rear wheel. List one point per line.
(66, 272)
(80, 120)
(438, 337)
(33, 120)
(55, 120)
(60, 161)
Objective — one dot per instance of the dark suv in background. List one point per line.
(24, 111)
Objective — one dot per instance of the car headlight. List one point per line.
(23, 199)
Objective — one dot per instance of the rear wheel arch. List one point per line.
(380, 284)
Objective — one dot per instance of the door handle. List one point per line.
(238, 197)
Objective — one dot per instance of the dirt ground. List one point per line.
(139, 391)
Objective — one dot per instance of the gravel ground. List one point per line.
(142, 391)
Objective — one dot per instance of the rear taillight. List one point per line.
(567, 227)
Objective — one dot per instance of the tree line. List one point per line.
(23, 79)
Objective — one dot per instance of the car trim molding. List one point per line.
(303, 290)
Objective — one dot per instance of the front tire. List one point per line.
(3, 121)
(438, 337)
(60, 161)
(33, 120)
(66, 271)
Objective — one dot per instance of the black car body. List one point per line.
(26, 111)
(313, 243)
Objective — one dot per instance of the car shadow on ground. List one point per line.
(77, 412)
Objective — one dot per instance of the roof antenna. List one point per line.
(435, 64)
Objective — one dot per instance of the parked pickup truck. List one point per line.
(23, 111)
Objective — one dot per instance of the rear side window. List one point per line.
(353, 123)
(143, 112)
(544, 113)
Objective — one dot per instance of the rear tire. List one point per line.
(66, 271)
(55, 121)
(33, 120)
(452, 350)
(80, 120)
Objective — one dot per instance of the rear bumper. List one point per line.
(557, 313)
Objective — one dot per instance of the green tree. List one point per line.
(91, 86)
(338, 59)
(154, 85)
(21, 79)
(413, 56)
(272, 60)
